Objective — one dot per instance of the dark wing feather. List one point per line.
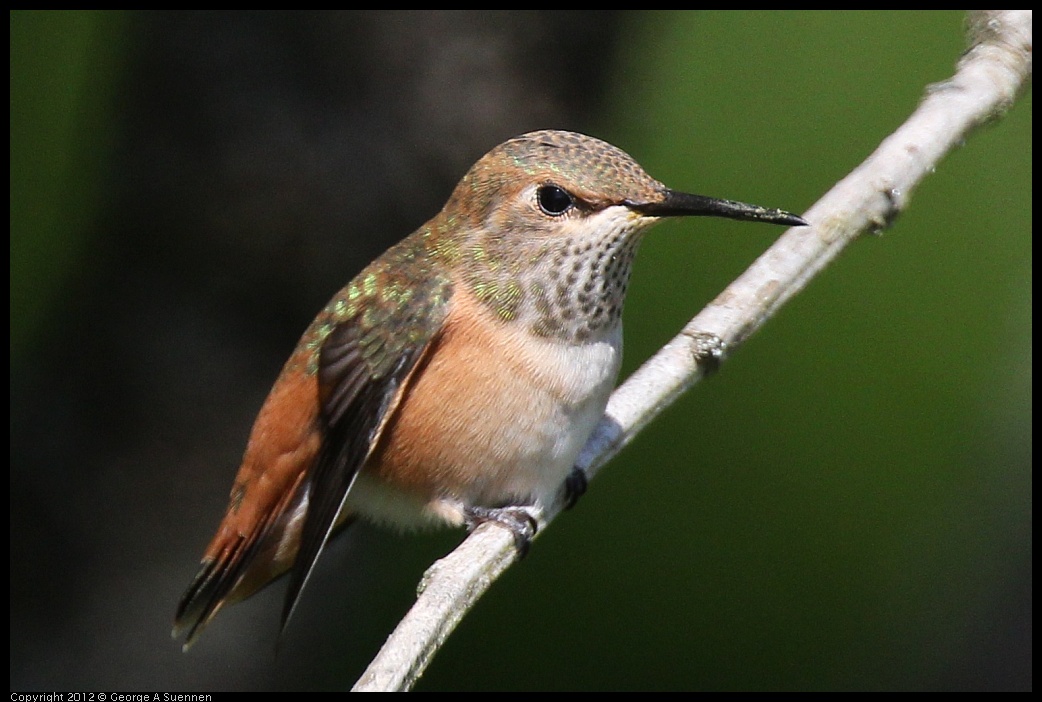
(365, 363)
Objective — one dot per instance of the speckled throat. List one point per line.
(569, 285)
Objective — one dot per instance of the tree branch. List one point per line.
(987, 80)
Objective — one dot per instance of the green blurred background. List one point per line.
(846, 505)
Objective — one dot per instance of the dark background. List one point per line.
(846, 505)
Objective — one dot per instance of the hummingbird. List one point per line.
(456, 378)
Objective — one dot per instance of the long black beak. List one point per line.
(676, 204)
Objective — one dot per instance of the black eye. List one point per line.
(554, 201)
